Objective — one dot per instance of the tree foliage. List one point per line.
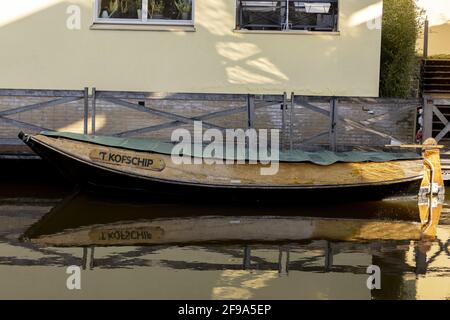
(402, 21)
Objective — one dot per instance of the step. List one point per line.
(433, 62)
(428, 81)
(436, 86)
(436, 74)
(435, 92)
(436, 69)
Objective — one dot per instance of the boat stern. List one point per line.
(432, 189)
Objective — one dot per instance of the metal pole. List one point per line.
(84, 258)
(425, 39)
(283, 261)
(86, 110)
(427, 118)
(291, 120)
(333, 117)
(91, 261)
(247, 258)
(93, 110)
(287, 15)
(283, 119)
(328, 256)
(250, 110)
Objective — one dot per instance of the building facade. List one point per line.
(324, 48)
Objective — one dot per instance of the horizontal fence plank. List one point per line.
(41, 93)
(10, 142)
(442, 102)
(39, 105)
(23, 125)
(183, 96)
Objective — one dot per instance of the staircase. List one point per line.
(436, 78)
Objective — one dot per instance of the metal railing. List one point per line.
(284, 112)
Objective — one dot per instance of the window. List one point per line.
(144, 11)
(284, 15)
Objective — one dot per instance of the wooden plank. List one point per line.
(159, 113)
(443, 132)
(41, 93)
(11, 142)
(441, 102)
(439, 114)
(38, 106)
(177, 96)
(23, 125)
(414, 146)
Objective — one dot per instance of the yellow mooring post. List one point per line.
(432, 190)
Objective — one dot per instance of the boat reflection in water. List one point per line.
(85, 221)
(186, 251)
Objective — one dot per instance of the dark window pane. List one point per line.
(120, 9)
(170, 9)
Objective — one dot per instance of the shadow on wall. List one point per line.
(215, 49)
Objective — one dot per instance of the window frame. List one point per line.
(238, 28)
(144, 20)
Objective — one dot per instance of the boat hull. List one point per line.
(107, 178)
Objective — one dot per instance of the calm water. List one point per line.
(152, 250)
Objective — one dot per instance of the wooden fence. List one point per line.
(283, 105)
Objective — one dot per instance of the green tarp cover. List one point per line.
(321, 157)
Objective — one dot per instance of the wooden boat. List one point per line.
(137, 165)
